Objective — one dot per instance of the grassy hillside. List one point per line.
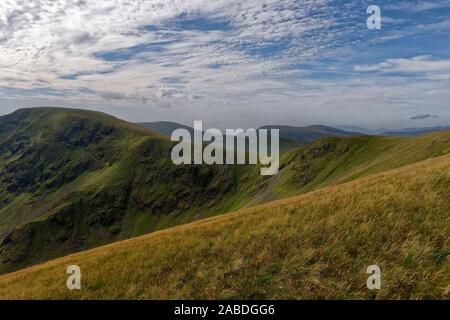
(44, 150)
(316, 245)
(71, 180)
(332, 161)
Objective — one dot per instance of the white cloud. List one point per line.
(56, 44)
(228, 55)
(418, 6)
(420, 65)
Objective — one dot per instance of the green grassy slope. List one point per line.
(42, 150)
(315, 246)
(336, 160)
(71, 180)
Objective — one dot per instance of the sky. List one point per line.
(230, 63)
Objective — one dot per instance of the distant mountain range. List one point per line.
(292, 137)
(165, 127)
(362, 130)
(398, 132)
(415, 131)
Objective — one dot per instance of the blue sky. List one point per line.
(230, 63)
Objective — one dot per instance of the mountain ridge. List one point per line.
(74, 180)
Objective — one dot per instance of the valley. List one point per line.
(313, 246)
(72, 180)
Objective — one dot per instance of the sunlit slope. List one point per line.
(317, 245)
(336, 160)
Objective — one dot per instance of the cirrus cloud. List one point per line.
(268, 55)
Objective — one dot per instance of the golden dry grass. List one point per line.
(315, 246)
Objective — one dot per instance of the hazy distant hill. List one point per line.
(415, 131)
(71, 180)
(165, 127)
(361, 130)
(310, 133)
(293, 137)
(399, 132)
(290, 136)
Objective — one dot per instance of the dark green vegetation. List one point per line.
(72, 180)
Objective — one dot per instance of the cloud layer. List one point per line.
(193, 53)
